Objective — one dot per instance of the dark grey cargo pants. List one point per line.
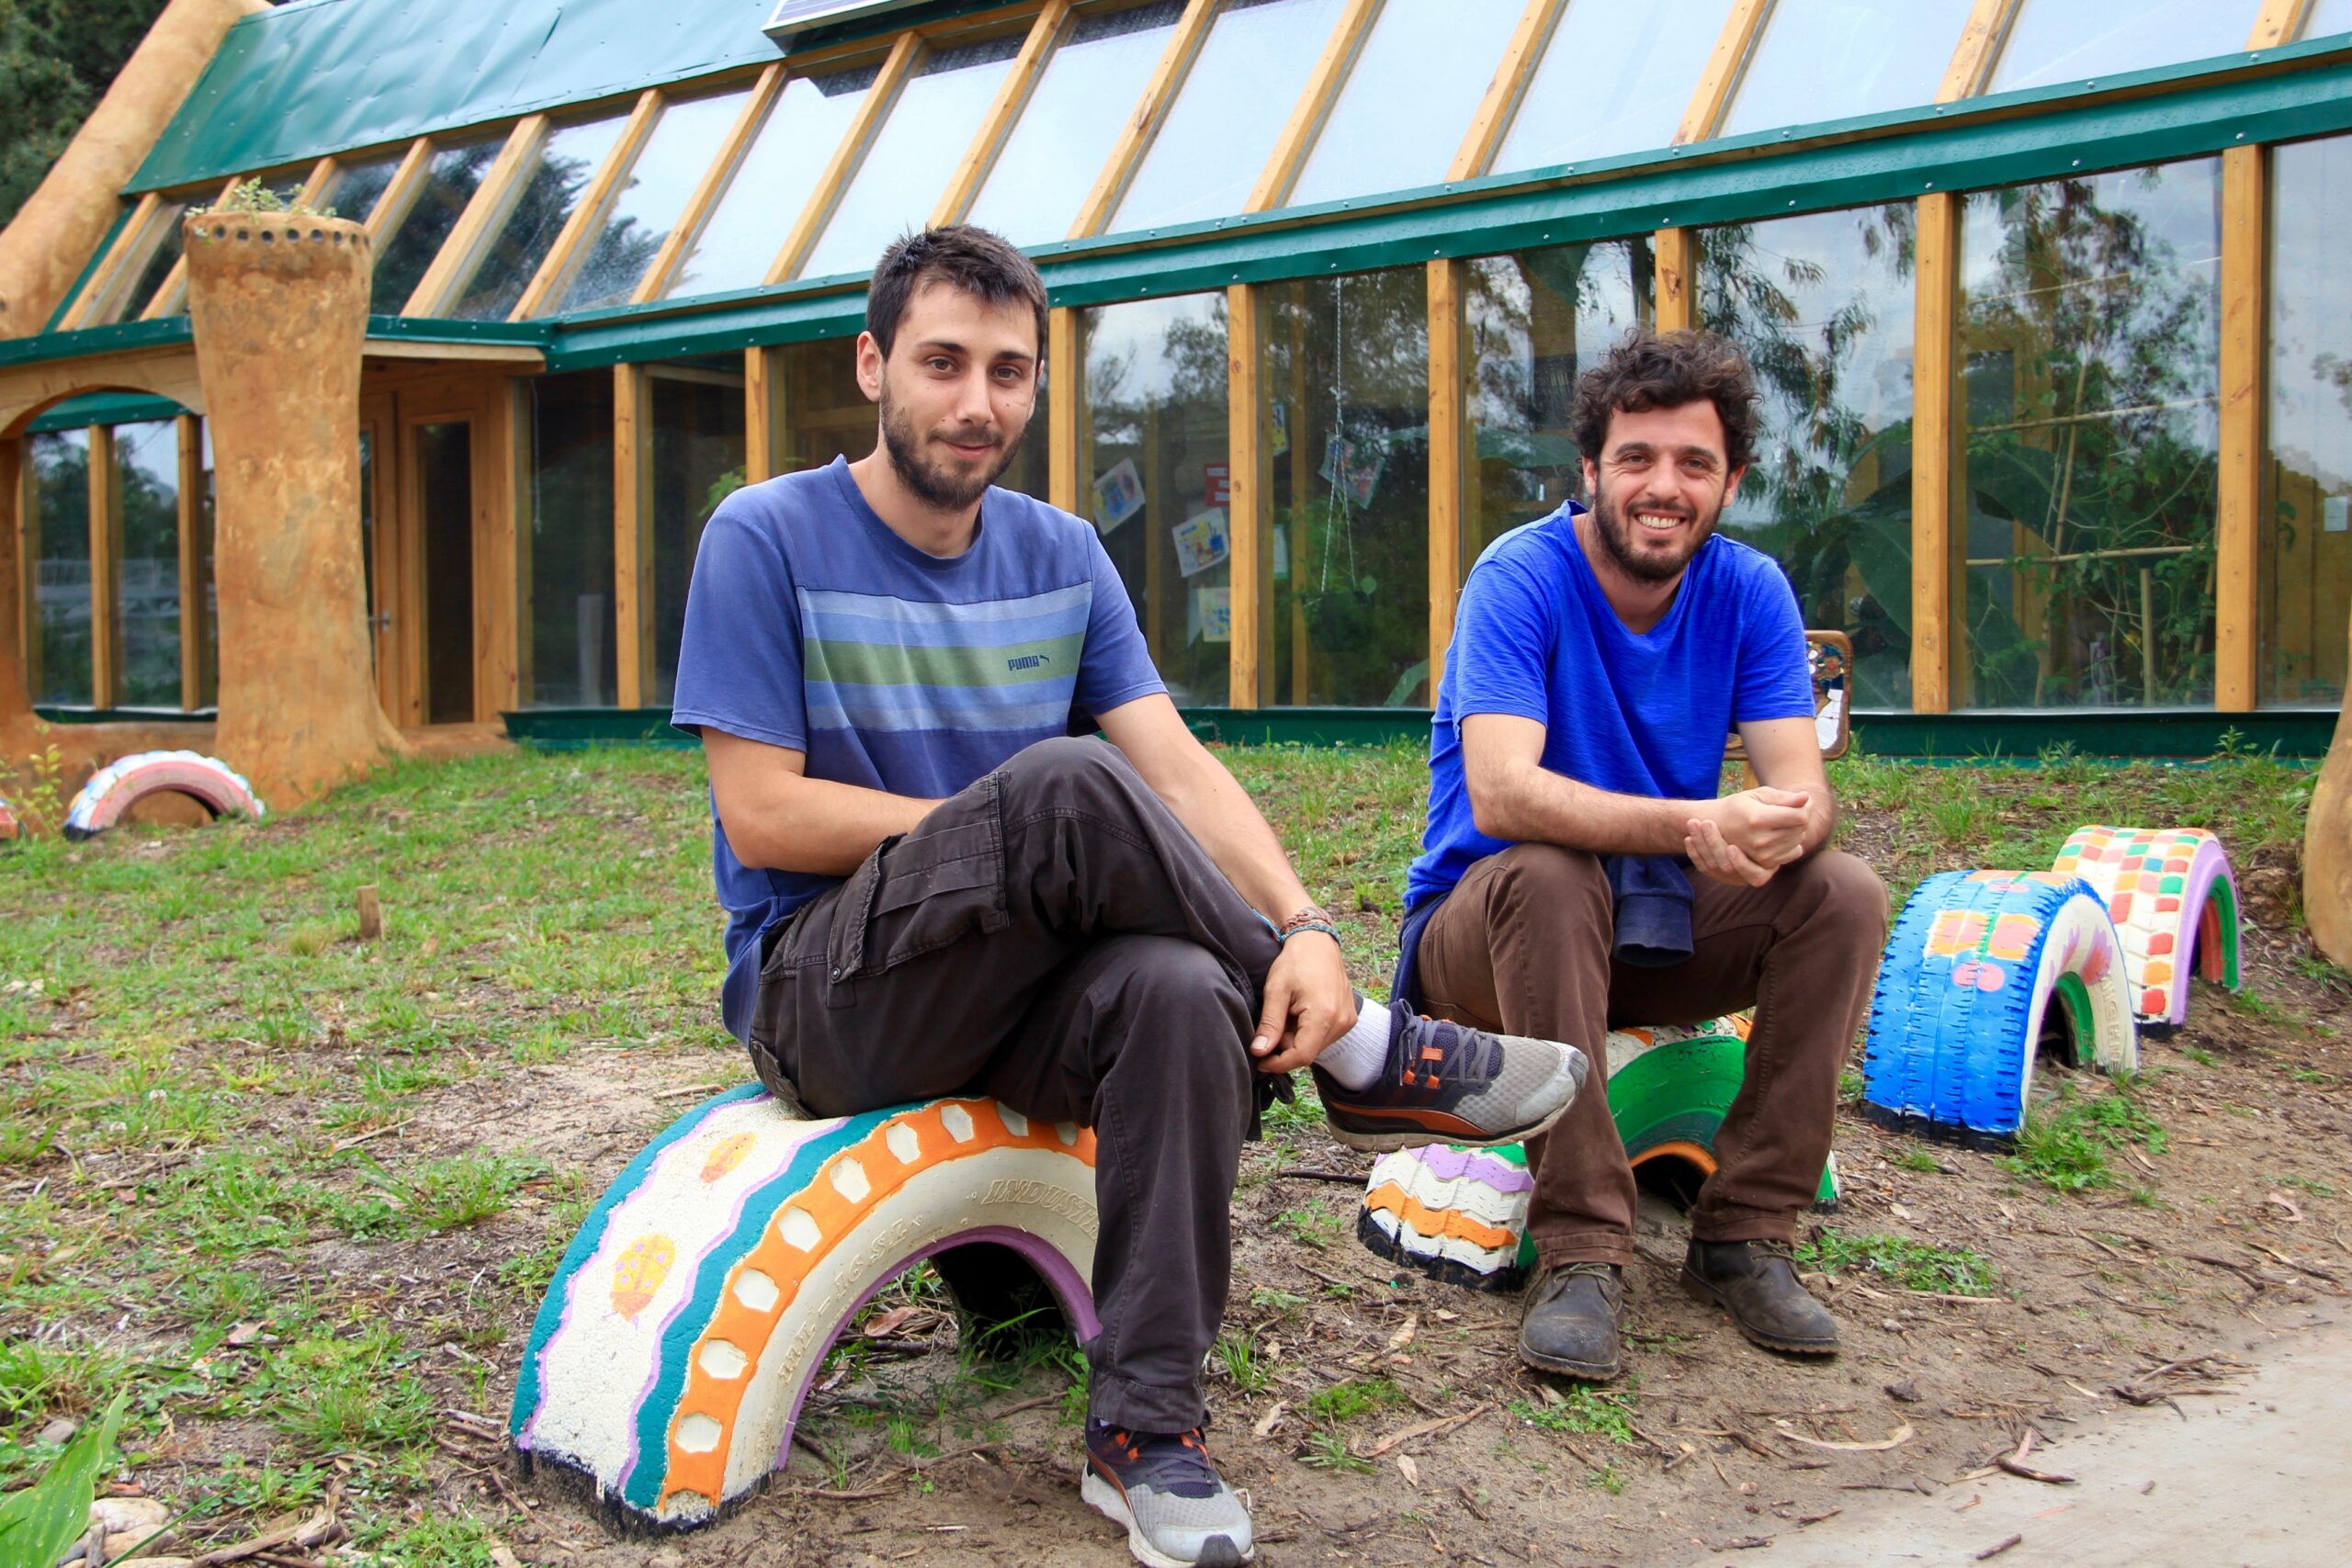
(1054, 937)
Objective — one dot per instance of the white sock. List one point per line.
(1357, 1057)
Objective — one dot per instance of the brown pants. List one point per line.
(1522, 945)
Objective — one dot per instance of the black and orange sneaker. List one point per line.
(1177, 1509)
(1447, 1083)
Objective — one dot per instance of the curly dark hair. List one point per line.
(1664, 371)
(969, 258)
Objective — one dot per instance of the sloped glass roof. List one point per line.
(1177, 112)
(1881, 55)
(2070, 40)
(1437, 56)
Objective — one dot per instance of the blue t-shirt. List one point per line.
(1632, 713)
(812, 626)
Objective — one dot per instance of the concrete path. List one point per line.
(2260, 1476)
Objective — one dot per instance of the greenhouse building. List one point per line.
(2058, 371)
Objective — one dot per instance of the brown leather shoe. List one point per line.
(1757, 1282)
(1568, 1321)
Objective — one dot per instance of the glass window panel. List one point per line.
(1537, 321)
(1437, 55)
(147, 589)
(748, 224)
(1155, 459)
(659, 186)
(2328, 16)
(905, 169)
(1090, 86)
(572, 646)
(1614, 79)
(2306, 569)
(1823, 305)
(697, 463)
(354, 189)
(2073, 41)
(2089, 348)
(548, 195)
(451, 177)
(59, 551)
(1346, 377)
(160, 248)
(1218, 134)
(1829, 59)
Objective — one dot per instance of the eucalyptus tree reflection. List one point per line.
(2090, 331)
(1823, 304)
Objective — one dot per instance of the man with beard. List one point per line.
(1599, 659)
(933, 890)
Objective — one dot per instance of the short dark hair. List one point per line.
(973, 260)
(1664, 371)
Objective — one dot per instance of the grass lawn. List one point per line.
(251, 1167)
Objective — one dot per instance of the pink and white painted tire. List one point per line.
(120, 784)
(9, 827)
(2175, 903)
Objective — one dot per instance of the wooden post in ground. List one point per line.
(2327, 848)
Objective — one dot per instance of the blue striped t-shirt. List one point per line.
(812, 626)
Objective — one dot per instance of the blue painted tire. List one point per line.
(1967, 982)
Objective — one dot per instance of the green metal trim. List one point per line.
(2016, 138)
(105, 408)
(2018, 736)
(568, 729)
(2014, 736)
(90, 268)
(116, 338)
(54, 714)
(424, 329)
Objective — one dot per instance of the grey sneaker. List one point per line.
(1447, 1083)
(1177, 1509)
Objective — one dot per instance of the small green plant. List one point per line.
(38, 1524)
(2199, 1054)
(40, 797)
(1850, 1086)
(1265, 1298)
(1919, 1160)
(465, 1188)
(1238, 1357)
(1344, 1402)
(1610, 1479)
(1584, 1410)
(1913, 1265)
(1313, 1226)
(254, 197)
(2305, 1183)
(1329, 1450)
(2064, 1142)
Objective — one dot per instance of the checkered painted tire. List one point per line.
(120, 784)
(1964, 997)
(2175, 903)
(1459, 1215)
(689, 1317)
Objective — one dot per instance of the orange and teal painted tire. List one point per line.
(2175, 903)
(688, 1318)
(1976, 962)
(122, 783)
(1460, 1215)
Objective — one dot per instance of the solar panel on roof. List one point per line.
(793, 17)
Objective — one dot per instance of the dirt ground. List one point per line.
(2126, 1296)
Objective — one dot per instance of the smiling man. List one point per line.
(932, 890)
(1599, 659)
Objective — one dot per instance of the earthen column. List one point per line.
(2327, 847)
(278, 304)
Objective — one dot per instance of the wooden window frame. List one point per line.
(857, 141)
(1507, 89)
(556, 267)
(1160, 92)
(1314, 106)
(724, 165)
(453, 267)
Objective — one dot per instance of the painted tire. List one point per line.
(688, 1318)
(2175, 903)
(1459, 1215)
(9, 827)
(120, 784)
(1969, 972)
